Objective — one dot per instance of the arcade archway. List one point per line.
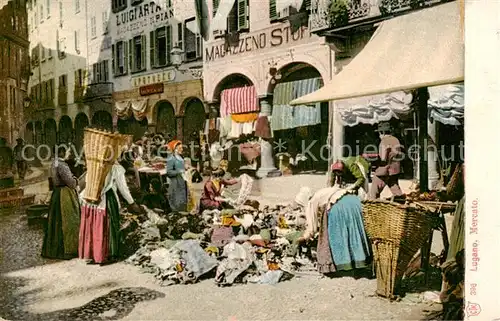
(65, 130)
(133, 127)
(102, 120)
(165, 119)
(81, 122)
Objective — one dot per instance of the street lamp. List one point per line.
(177, 56)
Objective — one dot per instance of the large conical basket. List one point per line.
(102, 149)
(396, 232)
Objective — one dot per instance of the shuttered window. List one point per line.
(243, 22)
(215, 6)
(273, 13)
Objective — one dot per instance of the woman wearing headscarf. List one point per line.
(177, 189)
(61, 235)
(100, 238)
(211, 197)
(336, 212)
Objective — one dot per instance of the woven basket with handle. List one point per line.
(396, 232)
(102, 149)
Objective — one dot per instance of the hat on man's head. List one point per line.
(384, 127)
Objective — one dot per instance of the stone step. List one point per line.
(10, 202)
(11, 192)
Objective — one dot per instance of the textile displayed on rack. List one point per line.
(285, 116)
(373, 109)
(238, 129)
(263, 128)
(446, 104)
(122, 109)
(139, 108)
(245, 118)
(136, 107)
(250, 151)
(238, 101)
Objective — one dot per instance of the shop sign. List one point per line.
(144, 15)
(271, 38)
(163, 76)
(151, 89)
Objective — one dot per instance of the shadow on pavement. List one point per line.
(115, 305)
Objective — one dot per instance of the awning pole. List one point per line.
(422, 99)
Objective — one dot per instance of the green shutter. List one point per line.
(143, 52)
(242, 14)
(113, 59)
(168, 35)
(306, 4)
(273, 13)
(152, 47)
(215, 6)
(125, 57)
(131, 58)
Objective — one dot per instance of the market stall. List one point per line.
(411, 52)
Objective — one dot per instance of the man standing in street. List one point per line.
(387, 173)
(21, 163)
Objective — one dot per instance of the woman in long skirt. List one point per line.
(61, 235)
(337, 213)
(177, 189)
(100, 238)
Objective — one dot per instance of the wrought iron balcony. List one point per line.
(334, 14)
(98, 90)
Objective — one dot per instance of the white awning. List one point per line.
(219, 22)
(446, 104)
(419, 49)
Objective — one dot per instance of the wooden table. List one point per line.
(148, 173)
(439, 224)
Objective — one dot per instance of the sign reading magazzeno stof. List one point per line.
(144, 15)
(271, 38)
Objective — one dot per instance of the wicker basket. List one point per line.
(102, 149)
(396, 232)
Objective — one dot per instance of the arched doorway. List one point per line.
(65, 130)
(165, 119)
(133, 127)
(50, 129)
(29, 137)
(194, 120)
(38, 133)
(306, 128)
(102, 120)
(81, 122)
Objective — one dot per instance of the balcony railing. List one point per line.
(331, 14)
(99, 90)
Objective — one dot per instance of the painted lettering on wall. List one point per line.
(141, 16)
(267, 39)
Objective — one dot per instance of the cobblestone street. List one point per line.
(38, 289)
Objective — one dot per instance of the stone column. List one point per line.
(336, 133)
(266, 147)
(432, 155)
(179, 122)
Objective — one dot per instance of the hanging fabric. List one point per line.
(218, 25)
(446, 104)
(285, 116)
(238, 101)
(139, 108)
(122, 109)
(245, 118)
(374, 109)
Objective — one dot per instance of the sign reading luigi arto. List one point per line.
(143, 15)
(270, 38)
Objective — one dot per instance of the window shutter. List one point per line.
(242, 14)
(125, 56)
(113, 60)
(143, 52)
(273, 13)
(52, 89)
(168, 35)
(215, 6)
(131, 60)
(152, 47)
(232, 19)
(306, 4)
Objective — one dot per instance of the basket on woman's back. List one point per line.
(102, 149)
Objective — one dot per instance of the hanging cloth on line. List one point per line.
(245, 118)
(238, 101)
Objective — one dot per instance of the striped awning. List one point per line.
(239, 101)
